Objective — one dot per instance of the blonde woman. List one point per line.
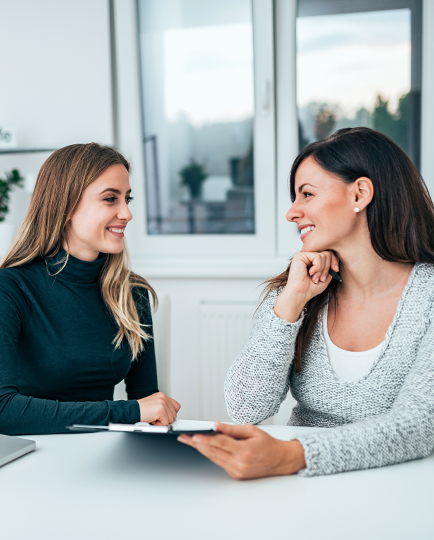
(74, 320)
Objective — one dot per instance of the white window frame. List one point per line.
(288, 238)
(129, 110)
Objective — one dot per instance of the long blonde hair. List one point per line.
(60, 183)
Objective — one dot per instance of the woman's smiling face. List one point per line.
(324, 208)
(99, 220)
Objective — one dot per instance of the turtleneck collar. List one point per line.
(75, 270)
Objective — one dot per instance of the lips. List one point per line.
(116, 231)
(305, 230)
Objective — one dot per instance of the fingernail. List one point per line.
(323, 278)
(182, 438)
(316, 280)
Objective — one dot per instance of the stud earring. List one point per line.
(356, 209)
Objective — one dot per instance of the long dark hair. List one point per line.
(400, 216)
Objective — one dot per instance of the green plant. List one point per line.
(192, 176)
(13, 179)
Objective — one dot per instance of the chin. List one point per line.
(314, 247)
(112, 250)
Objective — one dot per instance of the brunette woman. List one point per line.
(74, 320)
(358, 356)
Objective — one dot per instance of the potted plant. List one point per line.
(192, 176)
(13, 179)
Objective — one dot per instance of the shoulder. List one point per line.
(421, 281)
(11, 279)
(18, 276)
(13, 288)
(420, 292)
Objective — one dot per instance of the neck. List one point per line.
(365, 274)
(83, 254)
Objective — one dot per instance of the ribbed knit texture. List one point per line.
(385, 417)
(58, 365)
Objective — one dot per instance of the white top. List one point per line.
(348, 365)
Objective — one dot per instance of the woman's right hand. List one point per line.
(308, 277)
(158, 409)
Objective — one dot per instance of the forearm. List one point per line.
(258, 380)
(376, 442)
(25, 415)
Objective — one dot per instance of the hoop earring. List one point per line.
(356, 209)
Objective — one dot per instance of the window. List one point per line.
(359, 64)
(196, 61)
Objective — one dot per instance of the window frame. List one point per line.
(262, 242)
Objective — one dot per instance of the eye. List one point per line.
(307, 194)
(129, 199)
(110, 199)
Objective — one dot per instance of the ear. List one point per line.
(363, 191)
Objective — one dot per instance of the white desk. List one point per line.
(130, 486)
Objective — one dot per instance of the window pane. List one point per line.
(197, 91)
(354, 69)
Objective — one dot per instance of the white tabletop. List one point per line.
(125, 485)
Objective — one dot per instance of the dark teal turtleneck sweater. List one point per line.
(58, 365)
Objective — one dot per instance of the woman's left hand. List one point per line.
(248, 452)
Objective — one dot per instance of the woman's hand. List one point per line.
(158, 409)
(308, 277)
(248, 452)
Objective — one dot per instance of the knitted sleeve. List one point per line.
(258, 380)
(404, 433)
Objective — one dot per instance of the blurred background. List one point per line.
(211, 102)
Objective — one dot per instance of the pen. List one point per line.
(335, 275)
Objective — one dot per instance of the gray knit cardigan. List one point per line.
(384, 417)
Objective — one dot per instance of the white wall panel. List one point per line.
(55, 72)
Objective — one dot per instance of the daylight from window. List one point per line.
(198, 108)
(354, 70)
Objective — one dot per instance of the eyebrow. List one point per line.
(305, 184)
(114, 191)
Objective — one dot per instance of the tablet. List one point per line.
(177, 428)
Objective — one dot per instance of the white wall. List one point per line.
(55, 79)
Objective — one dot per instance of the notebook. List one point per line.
(177, 428)
(13, 448)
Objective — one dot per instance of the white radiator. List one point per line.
(224, 328)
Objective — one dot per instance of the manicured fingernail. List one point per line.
(323, 278)
(182, 438)
(316, 280)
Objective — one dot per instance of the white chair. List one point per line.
(161, 322)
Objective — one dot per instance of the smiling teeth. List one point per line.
(306, 229)
(120, 231)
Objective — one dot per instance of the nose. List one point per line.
(125, 213)
(295, 212)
